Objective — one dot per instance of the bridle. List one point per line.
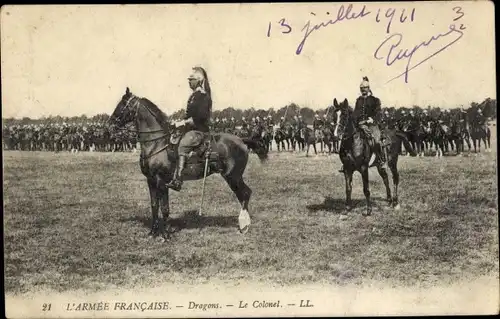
(133, 102)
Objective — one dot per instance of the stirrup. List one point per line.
(175, 184)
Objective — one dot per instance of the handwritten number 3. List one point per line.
(283, 24)
(458, 10)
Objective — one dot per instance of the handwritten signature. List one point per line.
(390, 50)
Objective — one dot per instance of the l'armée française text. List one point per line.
(118, 306)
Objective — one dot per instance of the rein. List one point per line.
(136, 105)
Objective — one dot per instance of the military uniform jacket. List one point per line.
(367, 107)
(317, 124)
(479, 119)
(199, 107)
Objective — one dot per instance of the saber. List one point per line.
(203, 187)
(327, 111)
(286, 110)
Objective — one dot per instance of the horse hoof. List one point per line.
(367, 213)
(152, 234)
(343, 217)
(244, 230)
(244, 221)
(397, 207)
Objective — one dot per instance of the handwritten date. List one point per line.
(391, 50)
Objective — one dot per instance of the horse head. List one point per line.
(146, 115)
(343, 118)
(125, 111)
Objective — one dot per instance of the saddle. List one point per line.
(201, 152)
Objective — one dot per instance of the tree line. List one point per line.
(488, 107)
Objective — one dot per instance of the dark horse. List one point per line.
(310, 138)
(480, 132)
(280, 137)
(355, 154)
(159, 155)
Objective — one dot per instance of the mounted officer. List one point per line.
(244, 123)
(384, 120)
(318, 123)
(269, 122)
(232, 124)
(282, 122)
(366, 115)
(199, 109)
(295, 123)
(301, 123)
(479, 118)
(414, 121)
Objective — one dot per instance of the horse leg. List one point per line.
(243, 193)
(154, 197)
(307, 150)
(383, 173)
(314, 147)
(366, 190)
(165, 212)
(468, 144)
(393, 166)
(348, 189)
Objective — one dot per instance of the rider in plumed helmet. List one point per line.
(367, 114)
(199, 109)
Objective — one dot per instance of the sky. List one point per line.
(74, 60)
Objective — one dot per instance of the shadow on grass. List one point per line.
(189, 220)
(337, 205)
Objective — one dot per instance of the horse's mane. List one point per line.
(160, 116)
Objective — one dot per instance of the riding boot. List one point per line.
(176, 182)
(381, 156)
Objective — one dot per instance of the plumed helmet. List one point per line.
(479, 111)
(200, 75)
(403, 112)
(365, 82)
(282, 117)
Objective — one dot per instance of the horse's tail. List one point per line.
(402, 137)
(258, 146)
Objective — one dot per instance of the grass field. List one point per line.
(80, 222)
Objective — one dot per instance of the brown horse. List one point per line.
(227, 156)
(355, 154)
